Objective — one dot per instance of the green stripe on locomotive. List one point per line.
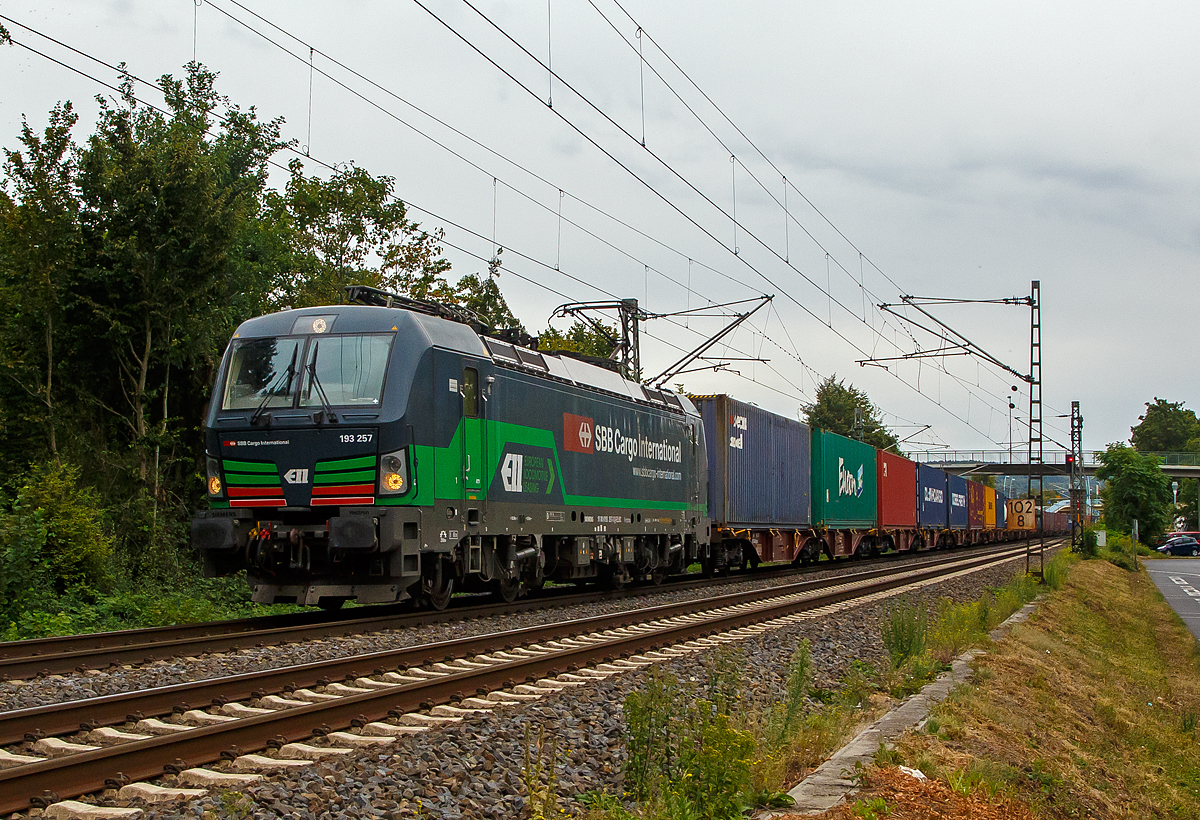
(439, 470)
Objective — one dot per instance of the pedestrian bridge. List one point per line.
(1054, 462)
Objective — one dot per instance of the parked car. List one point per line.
(1180, 545)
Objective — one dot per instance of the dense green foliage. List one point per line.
(580, 338)
(1165, 427)
(126, 262)
(834, 410)
(1135, 488)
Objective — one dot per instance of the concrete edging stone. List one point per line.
(830, 783)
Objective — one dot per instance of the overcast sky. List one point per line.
(936, 149)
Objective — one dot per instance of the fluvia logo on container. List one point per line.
(935, 496)
(958, 500)
(848, 482)
(738, 423)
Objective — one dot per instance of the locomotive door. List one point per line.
(472, 433)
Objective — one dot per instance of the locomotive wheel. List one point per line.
(616, 578)
(508, 589)
(330, 604)
(440, 588)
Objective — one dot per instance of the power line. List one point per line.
(332, 167)
(655, 191)
(447, 221)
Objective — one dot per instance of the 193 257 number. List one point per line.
(357, 438)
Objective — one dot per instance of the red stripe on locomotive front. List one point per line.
(345, 489)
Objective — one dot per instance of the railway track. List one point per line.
(21, 660)
(384, 695)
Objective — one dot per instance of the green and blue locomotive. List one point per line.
(394, 450)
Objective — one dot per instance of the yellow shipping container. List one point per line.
(989, 508)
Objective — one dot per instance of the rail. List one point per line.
(580, 644)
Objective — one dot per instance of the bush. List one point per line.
(1120, 550)
(53, 541)
(685, 756)
(958, 627)
(1055, 572)
(1088, 543)
(904, 631)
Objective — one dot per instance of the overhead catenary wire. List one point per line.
(725, 146)
(333, 167)
(624, 166)
(585, 283)
(260, 17)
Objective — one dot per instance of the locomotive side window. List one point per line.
(262, 370)
(350, 369)
(470, 391)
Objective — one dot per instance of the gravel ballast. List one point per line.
(474, 769)
(132, 677)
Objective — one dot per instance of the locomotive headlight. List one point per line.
(215, 486)
(393, 473)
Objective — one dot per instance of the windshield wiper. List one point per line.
(326, 410)
(290, 373)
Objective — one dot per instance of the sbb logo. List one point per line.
(579, 433)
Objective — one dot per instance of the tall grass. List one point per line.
(905, 625)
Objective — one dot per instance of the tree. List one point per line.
(580, 338)
(481, 295)
(350, 229)
(40, 232)
(1135, 487)
(163, 207)
(1165, 427)
(834, 410)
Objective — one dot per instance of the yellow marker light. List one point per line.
(393, 481)
(214, 485)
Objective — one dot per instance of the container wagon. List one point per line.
(976, 512)
(959, 521)
(896, 479)
(990, 533)
(844, 496)
(933, 509)
(758, 483)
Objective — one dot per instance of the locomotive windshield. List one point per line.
(262, 370)
(266, 372)
(349, 369)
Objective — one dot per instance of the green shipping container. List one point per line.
(844, 495)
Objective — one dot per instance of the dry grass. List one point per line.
(1087, 710)
(889, 794)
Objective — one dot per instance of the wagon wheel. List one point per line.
(508, 588)
(440, 588)
(658, 575)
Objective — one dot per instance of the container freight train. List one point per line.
(779, 491)
(395, 450)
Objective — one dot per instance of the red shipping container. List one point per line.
(976, 505)
(897, 482)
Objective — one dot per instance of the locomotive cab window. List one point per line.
(349, 369)
(470, 392)
(262, 372)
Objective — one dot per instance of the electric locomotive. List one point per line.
(394, 449)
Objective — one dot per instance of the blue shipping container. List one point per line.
(758, 465)
(1001, 510)
(958, 501)
(931, 492)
